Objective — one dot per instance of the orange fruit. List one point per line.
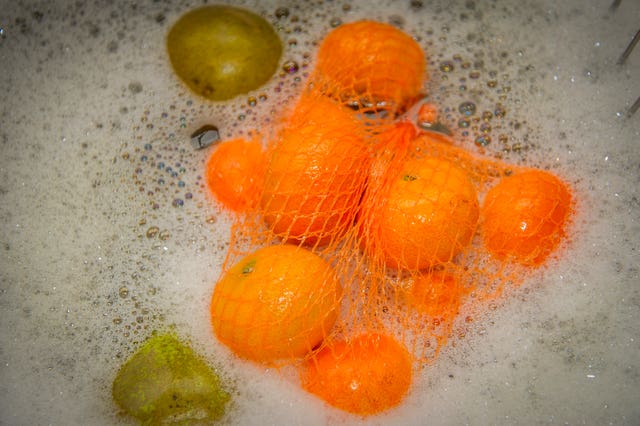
(234, 173)
(372, 62)
(316, 174)
(427, 214)
(438, 294)
(367, 375)
(524, 216)
(278, 302)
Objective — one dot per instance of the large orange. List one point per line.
(279, 302)
(371, 61)
(524, 216)
(366, 375)
(316, 173)
(427, 214)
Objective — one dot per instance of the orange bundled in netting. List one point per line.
(360, 242)
(316, 173)
(370, 65)
(279, 302)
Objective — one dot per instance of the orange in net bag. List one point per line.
(423, 212)
(437, 293)
(370, 64)
(276, 303)
(524, 216)
(316, 173)
(412, 242)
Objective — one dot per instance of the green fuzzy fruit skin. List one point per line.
(222, 51)
(165, 382)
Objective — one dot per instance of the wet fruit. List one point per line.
(524, 216)
(316, 174)
(276, 303)
(371, 62)
(223, 51)
(235, 173)
(366, 375)
(428, 215)
(166, 382)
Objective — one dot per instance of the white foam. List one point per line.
(71, 210)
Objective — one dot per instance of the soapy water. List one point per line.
(108, 232)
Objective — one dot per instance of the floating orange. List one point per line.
(277, 303)
(524, 216)
(371, 62)
(366, 375)
(438, 294)
(316, 174)
(427, 215)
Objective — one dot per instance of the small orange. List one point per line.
(427, 215)
(371, 61)
(367, 375)
(524, 216)
(279, 302)
(316, 174)
(438, 294)
(234, 173)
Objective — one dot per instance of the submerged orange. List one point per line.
(427, 215)
(316, 174)
(438, 294)
(367, 375)
(524, 216)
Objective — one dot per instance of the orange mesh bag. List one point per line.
(369, 244)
